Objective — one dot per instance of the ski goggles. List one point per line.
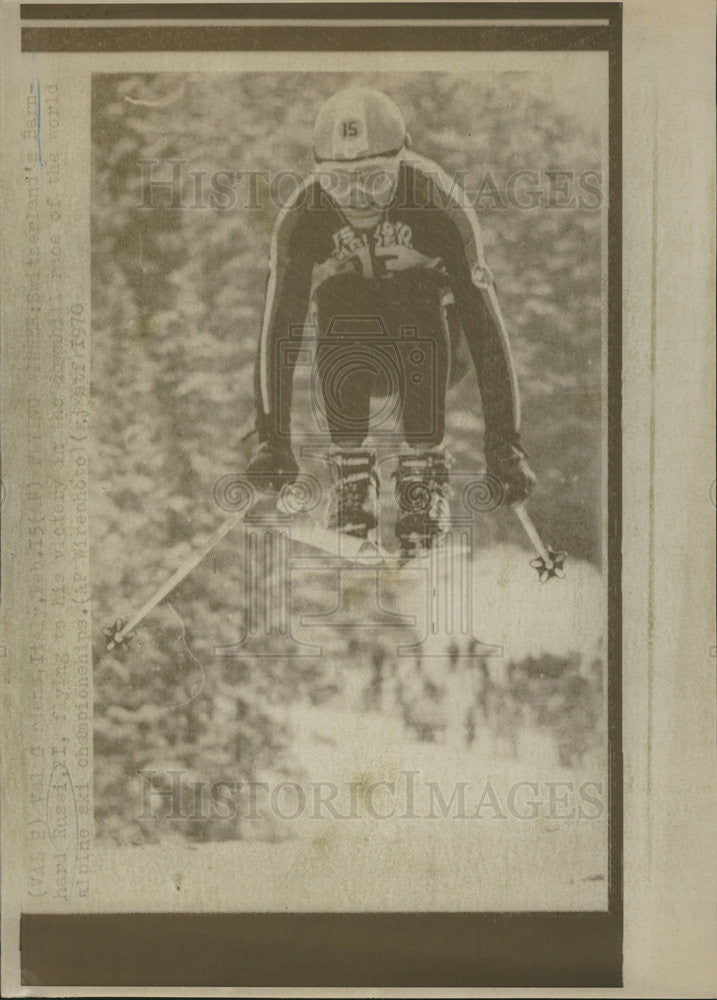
(352, 185)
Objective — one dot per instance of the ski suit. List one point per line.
(390, 306)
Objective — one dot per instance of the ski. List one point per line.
(337, 544)
(300, 528)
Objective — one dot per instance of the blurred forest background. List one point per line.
(176, 311)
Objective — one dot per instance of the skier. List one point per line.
(380, 241)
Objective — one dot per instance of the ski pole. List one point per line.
(119, 633)
(549, 563)
(531, 531)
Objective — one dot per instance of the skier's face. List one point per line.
(362, 189)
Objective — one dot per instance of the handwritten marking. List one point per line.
(60, 848)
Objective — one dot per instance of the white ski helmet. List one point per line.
(356, 123)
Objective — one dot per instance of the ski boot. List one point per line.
(423, 493)
(354, 504)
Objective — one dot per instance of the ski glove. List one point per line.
(508, 464)
(272, 466)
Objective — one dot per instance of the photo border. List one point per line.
(371, 949)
